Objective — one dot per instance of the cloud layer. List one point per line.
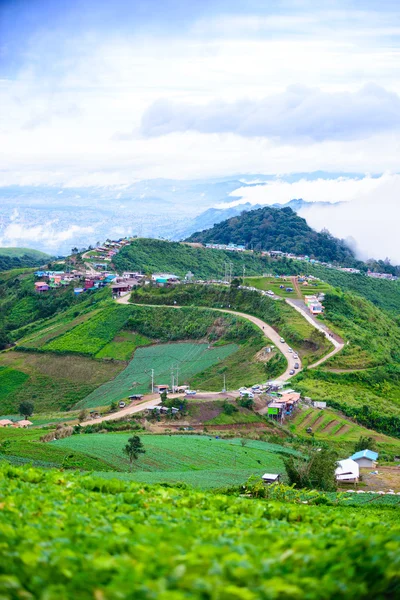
(298, 114)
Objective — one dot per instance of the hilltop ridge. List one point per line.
(282, 229)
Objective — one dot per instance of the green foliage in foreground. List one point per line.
(72, 536)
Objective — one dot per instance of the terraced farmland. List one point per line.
(197, 460)
(330, 425)
(136, 378)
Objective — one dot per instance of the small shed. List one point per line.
(347, 471)
(269, 478)
(365, 458)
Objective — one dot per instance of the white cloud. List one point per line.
(369, 211)
(48, 234)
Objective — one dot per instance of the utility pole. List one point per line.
(224, 388)
(177, 376)
(230, 272)
(152, 381)
(172, 378)
(244, 271)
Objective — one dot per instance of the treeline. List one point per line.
(167, 325)
(372, 419)
(278, 314)
(277, 229)
(18, 262)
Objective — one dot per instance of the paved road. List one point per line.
(332, 337)
(265, 328)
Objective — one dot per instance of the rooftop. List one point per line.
(365, 454)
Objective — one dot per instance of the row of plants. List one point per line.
(122, 540)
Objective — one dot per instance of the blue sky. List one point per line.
(96, 92)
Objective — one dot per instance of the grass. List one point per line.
(329, 425)
(123, 346)
(274, 283)
(136, 377)
(50, 381)
(186, 458)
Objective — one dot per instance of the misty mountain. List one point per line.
(282, 229)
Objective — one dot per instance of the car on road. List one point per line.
(191, 392)
(295, 356)
(270, 293)
(136, 397)
(291, 372)
(122, 404)
(296, 366)
(290, 349)
(282, 341)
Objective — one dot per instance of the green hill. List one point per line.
(69, 535)
(149, 256)
(277, 229)
(18, 258)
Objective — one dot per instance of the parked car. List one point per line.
(191, 392)
(296, 366)
(136, 397)
(282, 341)
(122, 404)
(291, 372)
(270, 293)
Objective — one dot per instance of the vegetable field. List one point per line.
(136, 378)
(67, 535)
(91, 336)
(199, 460)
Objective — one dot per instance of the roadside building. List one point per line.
(365, 458)
(5, 422)
(41, 286)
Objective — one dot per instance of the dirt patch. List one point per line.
(328, 428)
(343, 429)
(387, 478)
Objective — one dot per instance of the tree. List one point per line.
(318, 472)
(365, 443)
(82, 415)
(235, 282)
(26, 409)
(133, 448)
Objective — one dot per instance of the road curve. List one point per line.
(267, 330)
(153, 400)
(338, 343)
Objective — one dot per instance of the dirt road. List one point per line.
(150, 401)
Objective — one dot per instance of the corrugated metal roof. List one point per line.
(365, 454)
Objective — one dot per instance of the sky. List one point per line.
(94, 92)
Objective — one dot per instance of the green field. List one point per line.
(329, 425)
(67, 535)
(199, 460)
(136, 377)
(274, 283)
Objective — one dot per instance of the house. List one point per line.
(41, 286)
(269, 478)
(161, 388)
(365, 458)
(118, 288)
(5, 422)
(22, 423)
(347, 471)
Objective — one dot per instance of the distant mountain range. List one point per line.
(18, 258)
(270, 228)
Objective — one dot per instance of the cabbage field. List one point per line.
(136, 378)
(69, 535)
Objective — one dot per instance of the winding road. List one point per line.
(153, 400)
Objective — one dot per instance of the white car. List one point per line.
(282, 341)
(270, 293)
(290, 349)
(295, 356)
(122, 404)
(190, 392)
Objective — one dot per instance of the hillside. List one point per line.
(19, 258)
(150, 255)
(277, 229)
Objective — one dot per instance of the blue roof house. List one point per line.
(365, 458)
